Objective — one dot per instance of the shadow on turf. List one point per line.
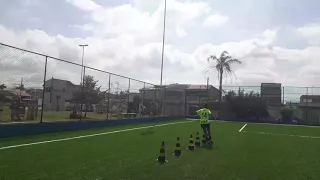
(147, 132)
(209, 147)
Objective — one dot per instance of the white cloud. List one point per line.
(128, 41)
(128, 18)
(312, 32)
(215, 20)
(86, 5)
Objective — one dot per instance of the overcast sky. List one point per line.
(277, 40)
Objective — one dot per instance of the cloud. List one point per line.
(85, 5)
(311, 32)
(215, 21)
(127, 40)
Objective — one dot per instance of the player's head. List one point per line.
(205, 105)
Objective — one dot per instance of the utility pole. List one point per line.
(83, 46)
(163, 38)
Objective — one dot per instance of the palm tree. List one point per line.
(223, 64)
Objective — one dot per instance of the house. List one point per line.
(180, 99)
(174, 103)
(57, 93)
(304, 99)
(22, 94)
(271, 93)
(199, 94)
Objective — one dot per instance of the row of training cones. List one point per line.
(177, 152)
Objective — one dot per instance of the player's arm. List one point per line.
(210, 114)
(198, 111)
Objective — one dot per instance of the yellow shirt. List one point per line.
(204, 115)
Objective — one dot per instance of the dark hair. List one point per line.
(205, 105)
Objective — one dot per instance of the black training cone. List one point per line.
(191, 144)
(162, 154)
(177, 151)
(197, 143)
(204, 141)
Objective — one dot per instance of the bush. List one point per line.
(246, 105)
(73, 115)
(287, 114)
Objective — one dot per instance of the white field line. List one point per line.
(90, 135)
(276, 134)
(243, 127)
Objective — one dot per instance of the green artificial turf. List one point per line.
(132, 154)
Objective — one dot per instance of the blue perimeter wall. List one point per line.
(22, 129)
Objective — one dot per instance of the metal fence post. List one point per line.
(164, 102)
(109, 92)
(283, 95)
(43, 88)
(141, 108)
(307, 105)
(185, 102)
(83, 92)
(128, 97)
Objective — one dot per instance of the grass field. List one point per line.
(55, 116)
(259, 151)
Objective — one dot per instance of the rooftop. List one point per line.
(67, 81)
(182, 87)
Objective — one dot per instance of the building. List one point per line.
(24, 96)
(180, 99)
(309, 99)
(198, 95)
(271, 93)
(57, 93)
(174, 103)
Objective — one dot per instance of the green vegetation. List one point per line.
(53, 116)
(241, 105)
(287, 114)
(246, 105)
(132, 154)
(223, 67)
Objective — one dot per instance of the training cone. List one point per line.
(197, 143)
(162, 154)
(191, 144)
(177, 151)
(204, 141)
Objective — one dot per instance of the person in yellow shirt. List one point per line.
(205, 114)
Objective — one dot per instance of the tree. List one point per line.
(88, 93)
(135, 104)
(223, 65)
(246, 105)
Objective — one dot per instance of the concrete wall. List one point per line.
(22, 129)
(63, 89)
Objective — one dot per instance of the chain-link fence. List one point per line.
(303, 102)
(37, 87)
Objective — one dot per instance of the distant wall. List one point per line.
(315, 121)
(253, 119)
(22, 129)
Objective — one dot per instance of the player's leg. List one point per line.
(204, 130)
(208, 133)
